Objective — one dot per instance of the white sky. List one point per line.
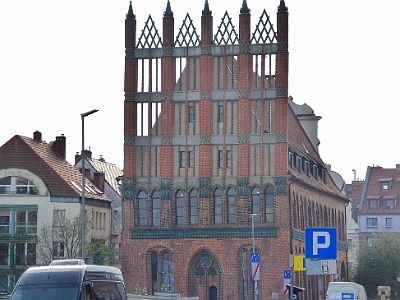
(61, 58)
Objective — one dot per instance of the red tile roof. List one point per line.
(374, 179)
(62, 179)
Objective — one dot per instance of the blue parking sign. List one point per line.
(321, 243)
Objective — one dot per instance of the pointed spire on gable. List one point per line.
(282, 7)
(130, 14)
(244, 9)
(206, 10)
(168, 12)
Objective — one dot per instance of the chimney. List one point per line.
(77, 157)
(59, 146)
(37, 136)
(88, 154)
(99, 180)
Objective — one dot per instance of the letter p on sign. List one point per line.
(320, 240)
(320, 243)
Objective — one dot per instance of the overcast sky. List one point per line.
(59, 59)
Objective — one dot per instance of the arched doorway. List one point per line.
(213, 293)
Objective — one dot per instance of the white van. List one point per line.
(345, 291)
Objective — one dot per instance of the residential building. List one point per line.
(106, 177)
(354, 192)
(217, 163)
(39, 192)
(379, 210)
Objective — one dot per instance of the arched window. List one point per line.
(231, 197)
(142, 200)
(269, 205)
(180, 208)
(255, 204)
(194, 208)
(156, 208)
(218, 206)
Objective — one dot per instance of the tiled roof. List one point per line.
(61, 178)
(375, 177)
(111, 172)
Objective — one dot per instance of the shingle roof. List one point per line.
(375, 177)
(62, 179)
(111, 172)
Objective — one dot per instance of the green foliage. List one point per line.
(163, 288)
(379, 264)
(101, 253)
(139, 290)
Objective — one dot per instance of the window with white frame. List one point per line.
(373, 204)
(372, 222)
(58, 217)
(389, 222)
(17, 185)
(390, 204)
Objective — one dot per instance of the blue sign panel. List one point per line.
(255, 257)
(347, 296)
(321, 243)
(286, 274)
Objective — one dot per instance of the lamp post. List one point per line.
(83, 215)
(255, 294)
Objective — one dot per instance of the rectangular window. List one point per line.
(220, 113)
(298, 164)
(191, 159)
(315, 172)
(191, 114)
(58, 217)
(220, 159)
(181, 159)
(385, 186)
(307, 168)
(290, 159)
(4, 254)
(229, 158)
(389, 222)
(389, 204)
(373, 204)
(4, 221)
(372, 222)
(58, 250)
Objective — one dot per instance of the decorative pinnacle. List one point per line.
(244, 9)
(206, 10)
(168, 12)
(130, 14)
(282, 7)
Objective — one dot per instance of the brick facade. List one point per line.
(216, 153)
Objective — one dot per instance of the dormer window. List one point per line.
(307, 168)
(385, 183)
(290, 159)
(373, 204)
(315, 172)
(390, 204)
(298, 164)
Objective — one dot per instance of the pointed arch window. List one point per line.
(180, 208)
(218, 206)
(269, 205)
(255, 204)
(156, 197)
(231, 198)
(194, 211)
(142, 200)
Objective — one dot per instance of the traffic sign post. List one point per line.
(255, 270)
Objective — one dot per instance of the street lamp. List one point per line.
(255, 296)
(83, 215)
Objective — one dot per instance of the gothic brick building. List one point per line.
(211, 148)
